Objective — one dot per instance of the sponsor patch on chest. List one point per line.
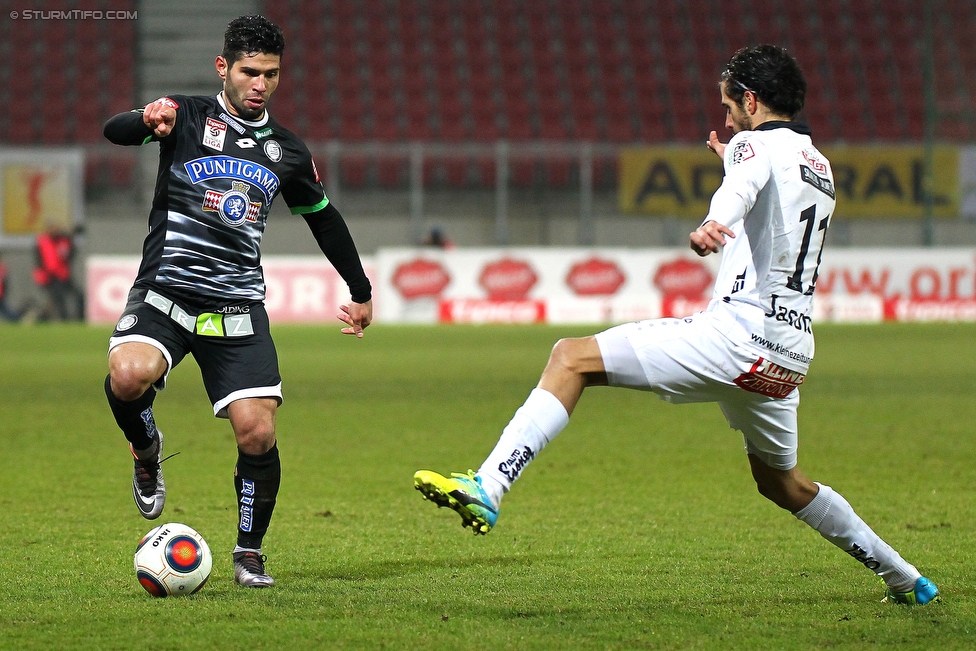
(229, 167)
(770, 379)
(233, 206)
(214, 134)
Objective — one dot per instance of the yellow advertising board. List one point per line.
(40, 189)
(871, 181)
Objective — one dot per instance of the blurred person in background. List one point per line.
(55, 253)
(438, 239)
(749, 350)
(200, 288)
(7, 313)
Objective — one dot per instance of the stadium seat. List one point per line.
(522, 173)
(353, 171)
(393, 172)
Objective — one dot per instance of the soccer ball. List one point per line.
(172, 559)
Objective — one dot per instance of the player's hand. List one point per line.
(714, 144)
(357, 316)
(160, 116)
(709, 237)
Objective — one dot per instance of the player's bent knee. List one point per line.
(253, 421)
(561, 352)
(574, 355)
(131, 380)
(255, 441)
(133, 369)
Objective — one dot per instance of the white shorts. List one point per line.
(694, 359)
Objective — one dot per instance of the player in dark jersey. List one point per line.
(200, 288)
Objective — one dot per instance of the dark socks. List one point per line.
(135, 418)
(256, 480)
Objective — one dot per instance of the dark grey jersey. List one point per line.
(218, 176)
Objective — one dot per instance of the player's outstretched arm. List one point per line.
(709, 237)
(160, 116)
(714, 144)
(357, 316)
(127, 129)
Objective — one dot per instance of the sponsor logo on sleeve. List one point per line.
(812, 156)
(214, 134)
(742, 152)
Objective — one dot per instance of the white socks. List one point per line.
(834, 519)
(535, 423)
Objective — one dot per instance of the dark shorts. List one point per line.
(232, 345)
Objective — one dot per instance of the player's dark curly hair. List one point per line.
(249, 35)
(772, 74)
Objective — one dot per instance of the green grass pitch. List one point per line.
(638, 528)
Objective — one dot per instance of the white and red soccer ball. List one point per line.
(172, 559)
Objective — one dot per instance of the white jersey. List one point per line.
(777, 197)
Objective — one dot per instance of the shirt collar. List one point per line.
(259, 123)
(798, 127)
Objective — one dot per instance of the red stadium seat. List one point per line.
(352, 171)
(393, 172)
(522, 173)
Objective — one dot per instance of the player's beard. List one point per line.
(237, 103)
(742, 123)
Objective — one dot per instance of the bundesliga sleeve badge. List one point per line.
(214, 134)
(742, 152)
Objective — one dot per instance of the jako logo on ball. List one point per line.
(172, 559)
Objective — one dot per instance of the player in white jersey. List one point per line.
(748, 351)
